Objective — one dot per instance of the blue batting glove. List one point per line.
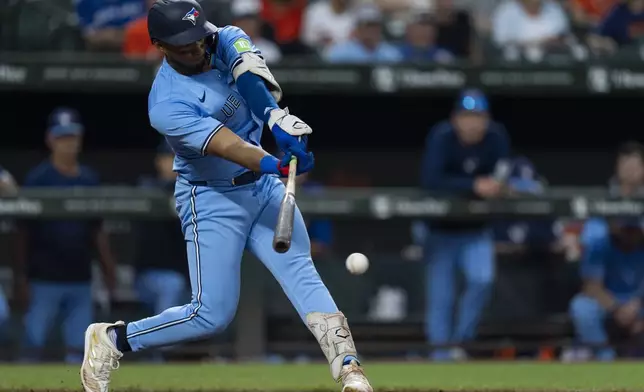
(290, 132)
(271, 165)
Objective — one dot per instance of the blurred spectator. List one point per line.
(285, 18)
(161, 260)
(623, 25)
(53, 268)
(534, 25)
(246, 16)
(136, 43)
(588, 13)
(367, 45)
(327, 22)
(455, 30)
(8, 185)
(612, 269)
(420, 43)
(103, 21)
(463, 156)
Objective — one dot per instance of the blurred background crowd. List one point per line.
(350, 31)
(550, 288)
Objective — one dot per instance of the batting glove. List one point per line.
(271, 165)
(290, 132)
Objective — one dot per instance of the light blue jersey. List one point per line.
(189, 110)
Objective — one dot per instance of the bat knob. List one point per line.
(282, 246)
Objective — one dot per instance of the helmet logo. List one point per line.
(192, 16)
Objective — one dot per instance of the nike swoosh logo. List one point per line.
(203, 98)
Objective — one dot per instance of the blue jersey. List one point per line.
(190, 110)
(622, 273)
(100, 14)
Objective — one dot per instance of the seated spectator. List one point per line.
(320, 230)
(327, 22)
(529, 24)
(136, 43)
(285, 19)
(455, 31)
(622, 26)
(588, 13)
(612, 268)
(103, 22)
(246, 16)
(420, 43)
(367, 45)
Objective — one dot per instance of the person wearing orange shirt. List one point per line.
(590, 12)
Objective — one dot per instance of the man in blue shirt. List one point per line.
(420, 42)
(103, 21)
(210, 99)
(367, 46)
(464, 156)
(612, 269)
(53, 273)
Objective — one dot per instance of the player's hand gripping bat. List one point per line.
(284, 226)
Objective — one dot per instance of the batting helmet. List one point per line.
(178, 22)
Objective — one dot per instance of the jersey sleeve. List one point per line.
(233, 42)
(184, 126)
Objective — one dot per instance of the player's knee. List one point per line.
(481, 282)
(584, 309)
(214, 320)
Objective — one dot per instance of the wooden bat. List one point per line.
(284, 226)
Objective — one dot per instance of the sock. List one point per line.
(118, 336)
(348, 359)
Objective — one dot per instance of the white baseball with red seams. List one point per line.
(357, 263)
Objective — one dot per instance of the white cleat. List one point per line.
(101, 357)
(353, 379)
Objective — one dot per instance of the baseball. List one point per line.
(357, 263)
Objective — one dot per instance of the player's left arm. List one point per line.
(258, 87)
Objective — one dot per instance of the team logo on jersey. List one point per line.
(191, 16)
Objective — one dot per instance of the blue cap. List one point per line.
(472, 100)
(65, 122)
(164, 148)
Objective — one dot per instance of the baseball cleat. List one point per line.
(100, 359)
(353, 379)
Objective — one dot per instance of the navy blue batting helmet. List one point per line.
(178, 22)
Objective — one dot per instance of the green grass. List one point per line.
(384, 377)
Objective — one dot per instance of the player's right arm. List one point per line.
(197, 133)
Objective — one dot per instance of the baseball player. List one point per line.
(210, 99)
(462, 157)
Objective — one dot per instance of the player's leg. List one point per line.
(478, 265)
(440, 255)
(588, 320)
(44, 303)
(295, 272)
(78, 313)
(215, 226)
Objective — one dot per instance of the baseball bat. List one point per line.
(284, 226)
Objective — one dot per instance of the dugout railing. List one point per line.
(266, 323)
